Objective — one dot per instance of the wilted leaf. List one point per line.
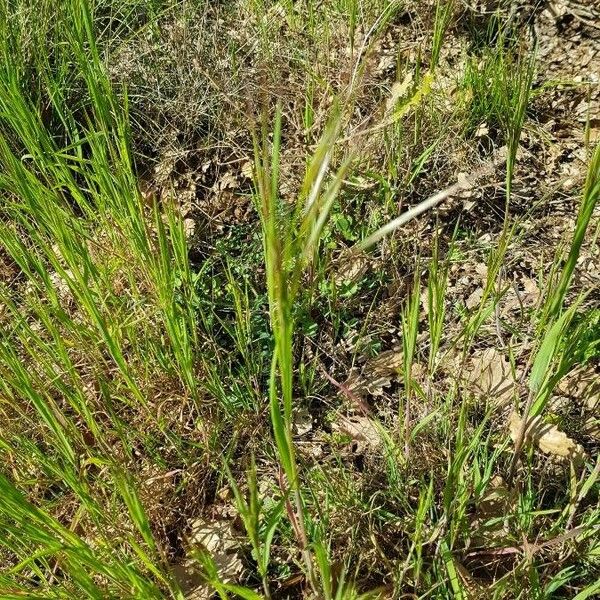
(474, 299)
(525, 295)
(361, 429)
(490, 377)
(218, 539)
(376, 374)
(303, 422)
(399, 90)
(350, 267)
(548, 438)
(582, 384)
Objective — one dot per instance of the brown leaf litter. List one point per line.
(351, 266)
(548, 438)
(376, 374)
(362, 430)
(490, 376)
(487, 375)
(490, 520)
(583, 384)
(219, 539)
(581, 387)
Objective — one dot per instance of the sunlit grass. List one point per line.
(124, 364)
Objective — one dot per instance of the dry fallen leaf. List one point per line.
(531, 290)
(470, 584)
(398, 91)
(482, 130)
(490, 377)
(247, 169)
(548, 438)
(189, 228)
(474, 299)
(554, 441)
(227, 181)
(63, 291)
(490, 521)
(361, 429)
(497, 499)
(376, 374)
(582, 384)
(350, 267)
(302, 421)
(591, 428)
(525, 295)
(219, 540)
(482, 270)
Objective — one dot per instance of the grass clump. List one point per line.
(343, 383)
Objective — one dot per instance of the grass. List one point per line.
(304, 370)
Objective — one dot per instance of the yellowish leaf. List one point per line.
(491, 377)
(548, 438)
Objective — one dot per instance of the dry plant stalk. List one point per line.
(463, 183)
